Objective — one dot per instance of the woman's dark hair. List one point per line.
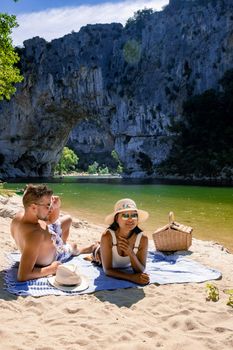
(114, 226)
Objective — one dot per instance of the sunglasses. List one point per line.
(126, 216)
(47, 206)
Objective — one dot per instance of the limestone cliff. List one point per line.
(114, 87)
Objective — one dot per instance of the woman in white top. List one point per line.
(123, 244)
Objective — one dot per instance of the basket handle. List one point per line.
(171, 217)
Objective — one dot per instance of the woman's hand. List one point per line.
(54, 211)
(56, 202)
(124, 246)
(140, 278)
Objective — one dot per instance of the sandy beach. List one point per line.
(174, 316)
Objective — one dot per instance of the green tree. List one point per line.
(203, 138)
(93, 168)
(115, 156)
(132, 51)
(140, 16)
(67, 162)
(9, 73)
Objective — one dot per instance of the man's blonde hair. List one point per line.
(33, 193)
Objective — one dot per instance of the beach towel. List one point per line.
(162, 268)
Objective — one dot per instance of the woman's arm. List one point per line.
(106, 257)
(55, 211)
(138, 261)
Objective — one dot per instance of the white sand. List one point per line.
(175, 316)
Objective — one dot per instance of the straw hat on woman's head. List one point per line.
(124, 205)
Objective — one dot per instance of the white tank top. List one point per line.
(119, 261)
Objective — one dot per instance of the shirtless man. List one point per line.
(40, 238)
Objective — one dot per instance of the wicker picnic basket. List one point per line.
(173, 236)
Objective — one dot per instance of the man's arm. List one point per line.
(27, 269)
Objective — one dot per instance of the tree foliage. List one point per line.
(67, 162)
(115, 156)
(9, 73)
(140, 16)
(132, 51)
(203, 141)
(93, 168)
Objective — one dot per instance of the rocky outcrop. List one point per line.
(9, 206)
(113, 87)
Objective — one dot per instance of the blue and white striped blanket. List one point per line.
(163, 269)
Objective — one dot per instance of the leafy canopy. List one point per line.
(140, 16)
(9, 73)
(203, 138)
(67, 162)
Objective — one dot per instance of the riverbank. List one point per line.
(127, 179)
(166, 317)
(171, 180)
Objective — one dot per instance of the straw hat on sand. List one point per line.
(68, 278)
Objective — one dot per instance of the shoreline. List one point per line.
(162, 180)
(156, 316)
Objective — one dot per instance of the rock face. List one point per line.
(113, 87)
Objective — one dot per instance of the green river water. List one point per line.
(209, 210)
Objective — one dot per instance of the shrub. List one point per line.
(103, 171)
(93, 168)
